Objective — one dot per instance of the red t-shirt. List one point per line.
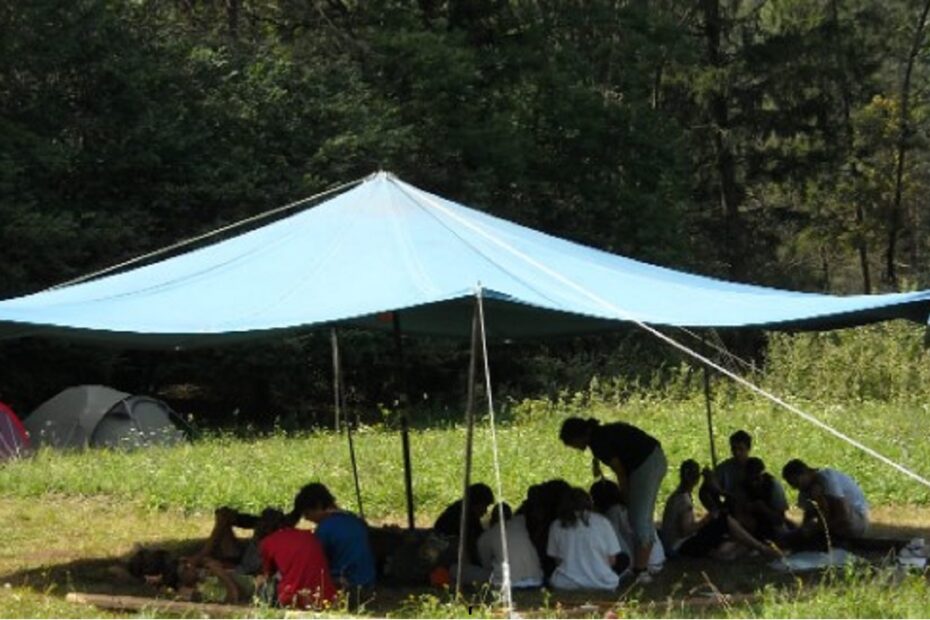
(298, 556)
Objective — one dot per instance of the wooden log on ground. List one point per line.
(138, 603)
(690, 602)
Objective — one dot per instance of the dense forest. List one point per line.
(778, 142)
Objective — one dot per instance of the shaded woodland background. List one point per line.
(778, 142)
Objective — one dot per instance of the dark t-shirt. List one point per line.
(731, 476)
(449, 521)
(622, 441)
(345, 540)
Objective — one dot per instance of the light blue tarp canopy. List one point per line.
(385, 246)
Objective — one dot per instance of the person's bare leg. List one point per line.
(727, 551)
(222, 542)
(742, 536)
(641, 557)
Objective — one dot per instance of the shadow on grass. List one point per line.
(90, 574)
(686, 587)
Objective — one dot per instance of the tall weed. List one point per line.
(885, 363)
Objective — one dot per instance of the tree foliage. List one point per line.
(763, 141)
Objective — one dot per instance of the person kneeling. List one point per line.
(835, 509)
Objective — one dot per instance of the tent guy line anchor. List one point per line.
(625, 315)
(506, 587)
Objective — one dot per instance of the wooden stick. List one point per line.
(690, 602)
(469, 442)
(138, 603)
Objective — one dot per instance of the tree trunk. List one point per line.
(825, 269)
(894, 215)
(232, 17)
(725, 162)
(657, 84)
(862, 247)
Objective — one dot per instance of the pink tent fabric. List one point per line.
(13, 438)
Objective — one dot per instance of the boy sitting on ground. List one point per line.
(224, 546)
(541, 508)
(766, 504)
(344, 537)
(835, 508)
(294, 569)
(715, 535)
(525, 568)
(238, 579)
(723, 486)
(480, 498)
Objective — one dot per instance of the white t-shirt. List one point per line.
(620, 520)
(583, 552)
(525, 568)
(839, 485)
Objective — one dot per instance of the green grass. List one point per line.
(868, 594)
(68, 507)
(250, 474)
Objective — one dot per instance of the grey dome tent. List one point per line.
(98, 416)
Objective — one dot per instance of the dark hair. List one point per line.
(689, 471)
(754, 467)
(605, 493)
(576, 428)
(573, 507)
(480, 494)
(554, 489)
(314, 496)
(742, 437)
(541, 509)
(270, 521)
(793, 469)
(543, 501)
(154, 562)
(496, 512)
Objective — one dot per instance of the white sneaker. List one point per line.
(643, 578)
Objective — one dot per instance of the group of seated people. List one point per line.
(746, 508)
(574, 539)
(280, 564)
(561, 536)
(567, 537)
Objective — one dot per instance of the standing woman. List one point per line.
(639, 463)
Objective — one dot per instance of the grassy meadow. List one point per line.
(253, 473)
(70, 514)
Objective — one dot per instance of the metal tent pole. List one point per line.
(710, 418)
(408, 479)
(358, 488)
(710, 412)
(334, 343)
(401, 380)
(339, 402)
(469, 443)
